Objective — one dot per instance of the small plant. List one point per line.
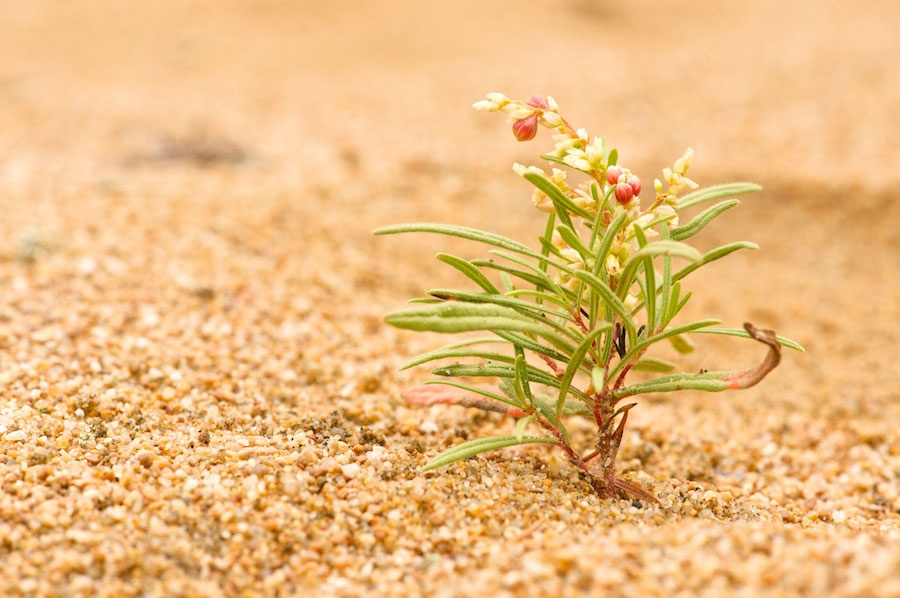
(585, 310)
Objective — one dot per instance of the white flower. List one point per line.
(498, 98)
(517, 111)
(576, 158)
(613, 267)
(582, 134)
(552, 104)
(551, 119)
(486, 106)
(684, 162)
(522, 170)
(595, 151)
(557, 240)
(667, 211)
(562, 145)
(630, 302)
(542, 202)
(573, 258)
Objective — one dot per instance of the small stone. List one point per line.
(145, 459)
(350, 470)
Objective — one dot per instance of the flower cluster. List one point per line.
(605, 180)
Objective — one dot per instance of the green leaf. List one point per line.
(550, 158)
(523, 388)
(539, 296)
(700, 221)
(472, 341)
(506, 281)
(455, 353)
(681, 344)
(537, 280)
(537, 270)
(678, 382)
(502, 371)
(606, 242)
(547, 406)
(477, 390)
(613, 157)
(786, 342)
(524, 307)
(666, 289)
(716, 192)
(653, 364)
(715, 254)
(610, 299)
(454, 316)
(481, 445)
(532, 345)
(572, 240)
(563, 203)
(669, 248)
(462, 232)
(641, 345)
(575, 364)
(470, 271)
(521, 424)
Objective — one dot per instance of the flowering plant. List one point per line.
(586, 310)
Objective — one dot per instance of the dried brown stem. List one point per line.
(749, 376)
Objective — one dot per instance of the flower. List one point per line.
(612, 174)
(537, 101)
(624, 192)
(526, 128)
(635, 184)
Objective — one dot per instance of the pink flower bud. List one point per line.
(624, 193)
(612, 175)
(635, 184)
(538, 102)
(526, 128)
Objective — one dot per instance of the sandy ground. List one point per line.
(198, 396)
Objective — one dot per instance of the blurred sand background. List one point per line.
(197, 394)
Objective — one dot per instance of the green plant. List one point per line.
(583, 312)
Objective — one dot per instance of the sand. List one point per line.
(198, 396)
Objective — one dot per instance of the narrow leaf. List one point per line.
(469, 270)
(455, 316)
(462, 232)
(501, 371)
(521, 424)
(681, 344)
(481, 445)
(523, 388)
(563, 203)
(609, 298)
(715, 254)
(743, 334)
(670, 248)
(455, 353)
(477, 390)
(572, 240)
(700, 221)
(716, 192)
(574, 365)
(641, 345)
(526, 308)
(653, 364)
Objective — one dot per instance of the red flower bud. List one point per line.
(526, 128)
(624, 193)
(538, 102)
(635, 185)
(612, 175)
